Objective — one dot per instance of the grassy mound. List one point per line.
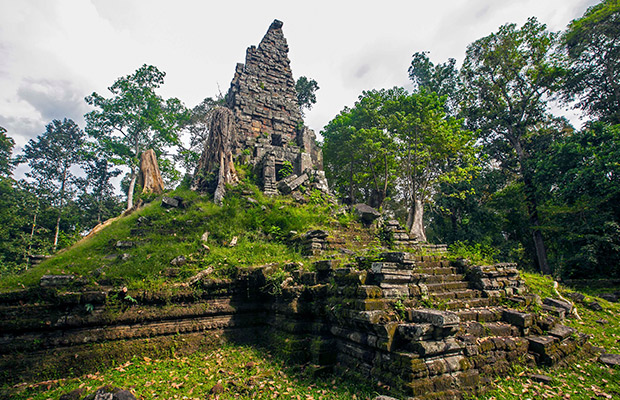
(137, 250)
(228, 372)
(583, 376)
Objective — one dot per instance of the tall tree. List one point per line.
(51, 157)
(593, 47)
(197, 126)
(6, 148)
(580, 175)
(443, 79)
(360, 154)
(134, 119)
(98, 193)
(395, 141)
(306, 93)
(433, 149)
(509, 76)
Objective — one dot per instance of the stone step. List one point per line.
(455, 294)
(429, 279)
(447, 286)
(489, 329)
(461, 304)
(486, 314)
(438, 270)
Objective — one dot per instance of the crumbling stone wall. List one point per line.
(373, 321)
(262, 93)
(269, 124)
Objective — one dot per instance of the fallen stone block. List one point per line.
(595, 306)
(315, 234)
(366, 213)
(169, 202)
(557, 311)
(56, 280)
(565, 305)
(541, 344)
(610, 359)
(561, 331)
(541, 378)
(516, 318)
(440, 319)
(612, 298)
(290, 183)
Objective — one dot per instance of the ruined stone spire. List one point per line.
(262, 93)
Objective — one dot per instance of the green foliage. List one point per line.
(274, 280)
(241, 372)
(578, 179)
(509, 76)
(6, 148)
(393, 141)
(477, 253)
(175, 232)
(286, 170)
(442, 79)
(593, 50)
(135, 119)
(51, 157)
(359, 153)
(306, 93)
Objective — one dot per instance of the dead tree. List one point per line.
(150, 177)
(216, 159)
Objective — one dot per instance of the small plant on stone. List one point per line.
(399, 307)
(274, 282)
(316, 197)
(286, 170)
(426, 302)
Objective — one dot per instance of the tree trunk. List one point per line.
(532, 209)
(217, 155)
(132, 185)
(415, 220)
(150, 177)
(62, 196)
(34, 226)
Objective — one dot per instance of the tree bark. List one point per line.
(62, 196)
(532, 209)
(217, 155)
(132, 186)
(415, 220)
(150, 177)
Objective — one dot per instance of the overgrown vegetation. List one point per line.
(583, 377)
(228, 372)
(249, 229)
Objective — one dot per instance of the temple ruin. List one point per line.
(269, 130)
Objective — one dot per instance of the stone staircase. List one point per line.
(421, 325)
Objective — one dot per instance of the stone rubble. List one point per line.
(270, 128)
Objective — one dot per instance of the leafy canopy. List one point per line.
(135, 119)
(592, 43)
(306, 92)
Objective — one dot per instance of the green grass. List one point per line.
(241, 372)
(261, 229)
(584, 377)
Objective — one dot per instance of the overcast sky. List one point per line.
(53, 53)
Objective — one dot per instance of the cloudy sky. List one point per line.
(55, 52)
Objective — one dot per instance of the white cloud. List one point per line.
(55, 52)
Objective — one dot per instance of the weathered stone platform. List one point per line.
(422, 325)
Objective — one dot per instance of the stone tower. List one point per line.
(270, 132)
